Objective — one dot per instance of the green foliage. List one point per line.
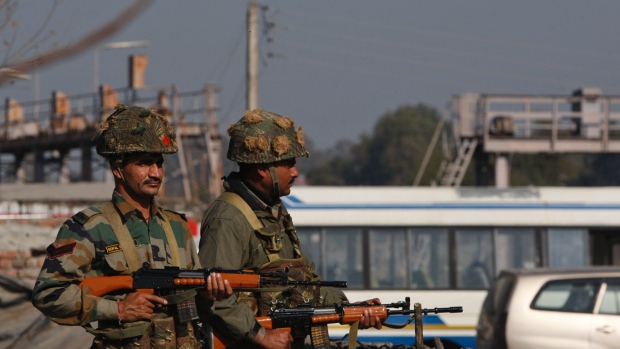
(544, 169)
(599, 170)
(391, 155)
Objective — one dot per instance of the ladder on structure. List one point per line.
(452, 173)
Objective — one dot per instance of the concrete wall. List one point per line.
(22, 246)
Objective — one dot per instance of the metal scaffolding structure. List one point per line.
(500, 125)
(52, 141)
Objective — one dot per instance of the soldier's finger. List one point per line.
(229, 290)
(210, 285)
(154, 299)
(378, 324)
(220, 287)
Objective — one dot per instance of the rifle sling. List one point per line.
(183, 296)
(121, 333)
(354, 328)
(353, 335)
(411, 319)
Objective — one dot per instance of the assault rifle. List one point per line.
(305, 320)
(172, 280)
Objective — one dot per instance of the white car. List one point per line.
(552, 309)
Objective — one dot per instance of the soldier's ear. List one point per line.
(116, 170)
(262, 170)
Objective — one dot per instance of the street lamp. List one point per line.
(112, 46)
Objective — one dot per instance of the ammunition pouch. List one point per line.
(265, 299)
(162, 332)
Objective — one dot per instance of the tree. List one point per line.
(22, 57)
(544, 169)
(390, 156)
(599, 170)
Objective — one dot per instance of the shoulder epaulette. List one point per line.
(83, 216)
(177, 213)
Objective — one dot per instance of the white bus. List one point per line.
(444, 246)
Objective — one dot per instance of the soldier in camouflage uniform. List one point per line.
(248, 227)
(117, 238)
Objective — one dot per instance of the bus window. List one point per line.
(310, 241)
(567, 247)
(428, 258)
(474, 258)
(514, 248)
(343, 256)
(387, 258)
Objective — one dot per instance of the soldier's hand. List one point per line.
(275, 339)
(217, 288)
(369, 320)
(138, 306)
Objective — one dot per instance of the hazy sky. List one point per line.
(337, 66)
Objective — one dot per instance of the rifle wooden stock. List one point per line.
(102, 285)
(349, 316)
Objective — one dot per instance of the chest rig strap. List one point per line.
(237, 201)
(126, 241)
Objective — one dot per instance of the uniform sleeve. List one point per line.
(192, 252)
(224, 244)
(189, 247)
(56, 292)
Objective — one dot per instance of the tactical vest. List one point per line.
(164, 331)
(265, 299)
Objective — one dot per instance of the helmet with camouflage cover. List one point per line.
(261, 137)
(135, 130)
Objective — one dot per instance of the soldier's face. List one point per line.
(143, 175)
(286, 173)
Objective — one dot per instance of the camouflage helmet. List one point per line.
(135, 130)
(261, 137)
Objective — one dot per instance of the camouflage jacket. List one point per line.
(86, 246)
(228, 241)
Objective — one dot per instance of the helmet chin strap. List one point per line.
(118, 164)
(274, 180)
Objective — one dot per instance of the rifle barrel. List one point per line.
(443, 310)
(341, 284)
(426, 311)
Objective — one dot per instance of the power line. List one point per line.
(223, 65)
(413, 63)
(456, 36)
(478, 55)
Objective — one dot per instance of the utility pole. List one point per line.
(177, 121)
(213, 142)
(252, 57)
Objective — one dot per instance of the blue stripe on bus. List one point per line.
(293, 202)
(402, 319)
(463, 341)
